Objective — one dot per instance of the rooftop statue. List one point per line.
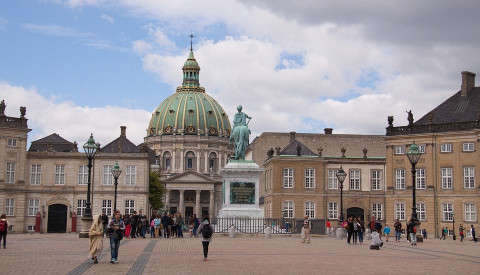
(240, 133)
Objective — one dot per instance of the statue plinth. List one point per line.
(241, 180)
(86, 224)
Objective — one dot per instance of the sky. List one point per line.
(90, 66)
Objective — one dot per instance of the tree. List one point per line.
(157, 189)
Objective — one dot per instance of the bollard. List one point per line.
(231, 231)
(268, 232)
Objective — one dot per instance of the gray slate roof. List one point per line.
(54, 143)
(291, 149)
(120, 145)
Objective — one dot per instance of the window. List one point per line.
(131, 175)
(400, 211)
(399, 150)
(377, 211)
(107, 207)
(12, 142)
(376, 180)
(212, 160)
(288, 209)
(309, 178)
(421, 148)
(288, 178)
(129, 207)
(310, 209)
(82, 175)
(10, 172)
(81, 205)
(35, 174)
(10, 206)
(447, 178)
(446, 148)
(33, 207)
(31, 228)
(211, 163)
(167, 163)
(400, 178)
(333, 210)
(421, 212)
(107, 175)
(332, 179)
(354, 179)
(468, 147)
(59, 174)
(189, 163)
(420, 179)
(470, 212)
(447, 212)
(469, 177)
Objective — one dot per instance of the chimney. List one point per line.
(123, 131)
(468, 82)
(292, 137)
(328, 131)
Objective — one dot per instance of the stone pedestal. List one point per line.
(241, 180)
(86, 224)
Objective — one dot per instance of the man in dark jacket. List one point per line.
(104, 222)
(134, 224)
(166, 221)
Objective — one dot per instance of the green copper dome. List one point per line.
(190, 110)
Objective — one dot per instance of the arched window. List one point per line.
(167, 161)
(190, 161)
(212, 161)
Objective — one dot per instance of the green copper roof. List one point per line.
(190, 110)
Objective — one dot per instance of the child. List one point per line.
(386, 231)
(190, 229)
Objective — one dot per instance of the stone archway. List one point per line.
(57, 218)
(356, 212)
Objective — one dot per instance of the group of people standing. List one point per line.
(355, 229)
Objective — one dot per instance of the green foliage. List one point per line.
(157, 189)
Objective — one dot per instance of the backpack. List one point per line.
(3, 225)
(207, 231)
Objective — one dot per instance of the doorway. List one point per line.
(188, 211)
(57, 218)
(356, 212)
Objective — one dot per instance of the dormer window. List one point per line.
(171, 112)
(190, 112)
(210, 113)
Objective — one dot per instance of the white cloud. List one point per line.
(55, 30)
(107, 18)
(73, 122)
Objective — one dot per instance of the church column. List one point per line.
(167, 199)
(211, 211)
(198, 207)
(182, 161)
(172, 164)
(198, 160)
(181, 207)
(207, 170)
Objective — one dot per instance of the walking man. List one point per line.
(472, 231)
(206, 231)
(460, 232)
(307, 226)
(398, 230)
(116, 229)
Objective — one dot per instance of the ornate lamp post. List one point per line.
(453, 217)
(90, 150)
(116, 171)
(341, 175)
(414, 155)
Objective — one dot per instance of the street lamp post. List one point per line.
(414, 155)
(341, 175)
(116, 171)
(90, 150)
(453, 216)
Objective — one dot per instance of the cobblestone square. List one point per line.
(67, 254)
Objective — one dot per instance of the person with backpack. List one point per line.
(196, 224)
(115, 229)
(3, 230)
(206, 231)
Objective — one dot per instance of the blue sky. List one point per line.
(82, 66)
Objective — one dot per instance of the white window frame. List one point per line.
(377, 210)
(82, 175)
(447, 178)
(10, 175)
(107, 178)
(422, 148)
(287, 211)
(59, 174)
(355, 179)
(129, 207)
(310, 209)
(12, 142)
(469, 177)
(81, 206)
(421, 179)
(421, 211)
(447, 212)
(399, 150)
(30, 227)
(33, 205)
(400, 179)
(400, 211)
(376, 178)
(470, 210)
(130, 175)
(333, 210)
(309, 178)
(35, 174)
(446, 148)
(288, 176)
(468, 147)
(107, 207)
(332, 179)
(10, 206)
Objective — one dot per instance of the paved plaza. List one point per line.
(67, 254)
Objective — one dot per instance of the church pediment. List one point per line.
(189, 177)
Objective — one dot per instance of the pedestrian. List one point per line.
(472, 232)
(361, 230)
(376, 241)
(413, 232)
(144, 224)
(356, 227)
(190, 228)
(104, 222)
(179, 225)
(398, 230)
(378, 228)
(128, 225)
(165, 222)
(96, 238)
(307, 226)
(115, 228)
(446, 232)
(196, 224)
(156, 224)
(443, 233)
(424, 233)
(386, 231)
(329, 227)
(134, 224)
(3, 230)
(349, 229)
(461, 230)
(205, 229)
